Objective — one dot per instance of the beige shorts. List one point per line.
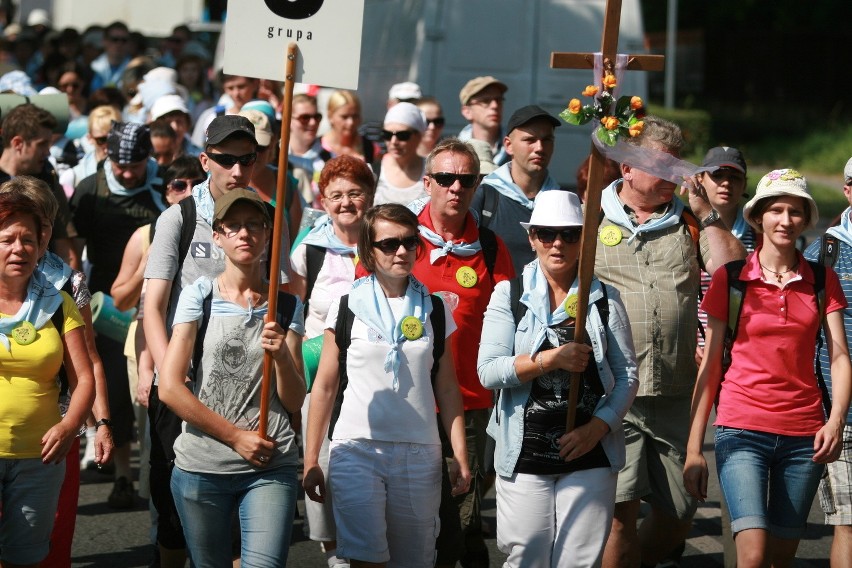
(835, 488)
(656, 430)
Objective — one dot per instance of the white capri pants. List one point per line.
(555, 521)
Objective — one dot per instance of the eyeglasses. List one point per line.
(486, 101)
(100, 140)
(184, 184)
(352, 195)
(304, 119)
(401, 135)
(390, 246)
(118, 39)
(228, 161)
(438, 122)
(548, 236)
(74, 85)
(230, 230)
(444, 179)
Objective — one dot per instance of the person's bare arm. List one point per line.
(449, 399)
(285, 348)
(157, 294)
(103, 437)
(323, 392)
(724, 246)
(127, 287)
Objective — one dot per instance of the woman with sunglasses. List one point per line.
(385, 458)
(305, 146)
(401, 172)
(556, 490)
(346, 186)
(95, 146)
(430, 107)
(223, 468)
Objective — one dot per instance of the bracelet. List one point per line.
(540, 366)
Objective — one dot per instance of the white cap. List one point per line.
(39, 17)
(405, 91)
(556, 208)
(407, 114)
(847, 171)
(262, 127)
(166, 104)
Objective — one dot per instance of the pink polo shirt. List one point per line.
(771, 385)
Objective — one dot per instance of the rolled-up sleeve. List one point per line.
(496, 362)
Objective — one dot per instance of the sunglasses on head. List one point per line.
(438, 122)
(229, 160)
(547, 235)
(304, 119)
(444, 179)
(183, 185)
(401, 135)
(100, 140)
(390, 246)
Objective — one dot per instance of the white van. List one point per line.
(441, 44)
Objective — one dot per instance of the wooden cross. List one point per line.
(591, 217)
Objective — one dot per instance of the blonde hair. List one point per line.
(36, 191)
(342, 98)
(101, 118)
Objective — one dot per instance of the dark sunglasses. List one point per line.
(401, 135)
(100, 140)
(304, 119)
(390, 246)
(183, 185)
(71, 85)
(118, 39)
(438, 122)
(548, 236)
(444, 179)
(229, 160)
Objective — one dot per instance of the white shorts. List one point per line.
(386, 497)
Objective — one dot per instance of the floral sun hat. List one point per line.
(778, 183)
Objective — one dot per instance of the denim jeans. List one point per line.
(265, 501)
(769, 480)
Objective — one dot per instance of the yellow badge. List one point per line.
(571, 305)
(466, 276)
(411, 328)
(611, 235)
(24, 333)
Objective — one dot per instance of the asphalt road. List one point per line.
(106, 538)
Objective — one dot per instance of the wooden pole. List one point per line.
(277, 229)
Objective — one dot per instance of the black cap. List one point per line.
(725, 157)
(128, 143)
(228, 125)
(528, 113)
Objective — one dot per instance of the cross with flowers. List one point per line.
(618, 118)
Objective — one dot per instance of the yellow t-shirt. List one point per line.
(29, 394)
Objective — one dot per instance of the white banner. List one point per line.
(328, 33)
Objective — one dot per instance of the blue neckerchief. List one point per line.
(844, 230)
(501, 180)
(323, 235)
(614, 211)
(740, 226)
(536, 296)
(447, 247)
(368, 302)
(151, 179)
(42, 300)
(204, 205)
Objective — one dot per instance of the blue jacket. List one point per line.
(613, 353)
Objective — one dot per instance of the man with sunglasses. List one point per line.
(229, 158)
(110, 65)
(482, 106)
(465, 262)
(123, 194)
(507, 196)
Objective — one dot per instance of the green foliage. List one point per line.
(695, 125)
(823, 150)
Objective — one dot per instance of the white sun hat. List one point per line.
(556, 208)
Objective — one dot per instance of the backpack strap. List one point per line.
(438, 319)
(314, 259)
(819, 294)
(488, 241)
(518, 309)
(490, 201)
(829, 250)
(187, 229)
(602, 304)
(736, 293)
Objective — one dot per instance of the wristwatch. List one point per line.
(710, 219)
(103, 422)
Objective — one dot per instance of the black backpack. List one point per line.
(343, 337)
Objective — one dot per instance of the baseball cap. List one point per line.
(477, 84)
(262, 128)
(228, 125)
(166, 104)
(224, 203)
(847, 171)
(128, 143)
(528, 113)
(725, 157)
(405, 91)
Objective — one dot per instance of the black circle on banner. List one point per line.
(294, 9)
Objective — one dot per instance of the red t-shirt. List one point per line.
(441, 277)
(771, 385)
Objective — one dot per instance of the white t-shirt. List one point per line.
(371, 408)
(387, 193)
(335, 279)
